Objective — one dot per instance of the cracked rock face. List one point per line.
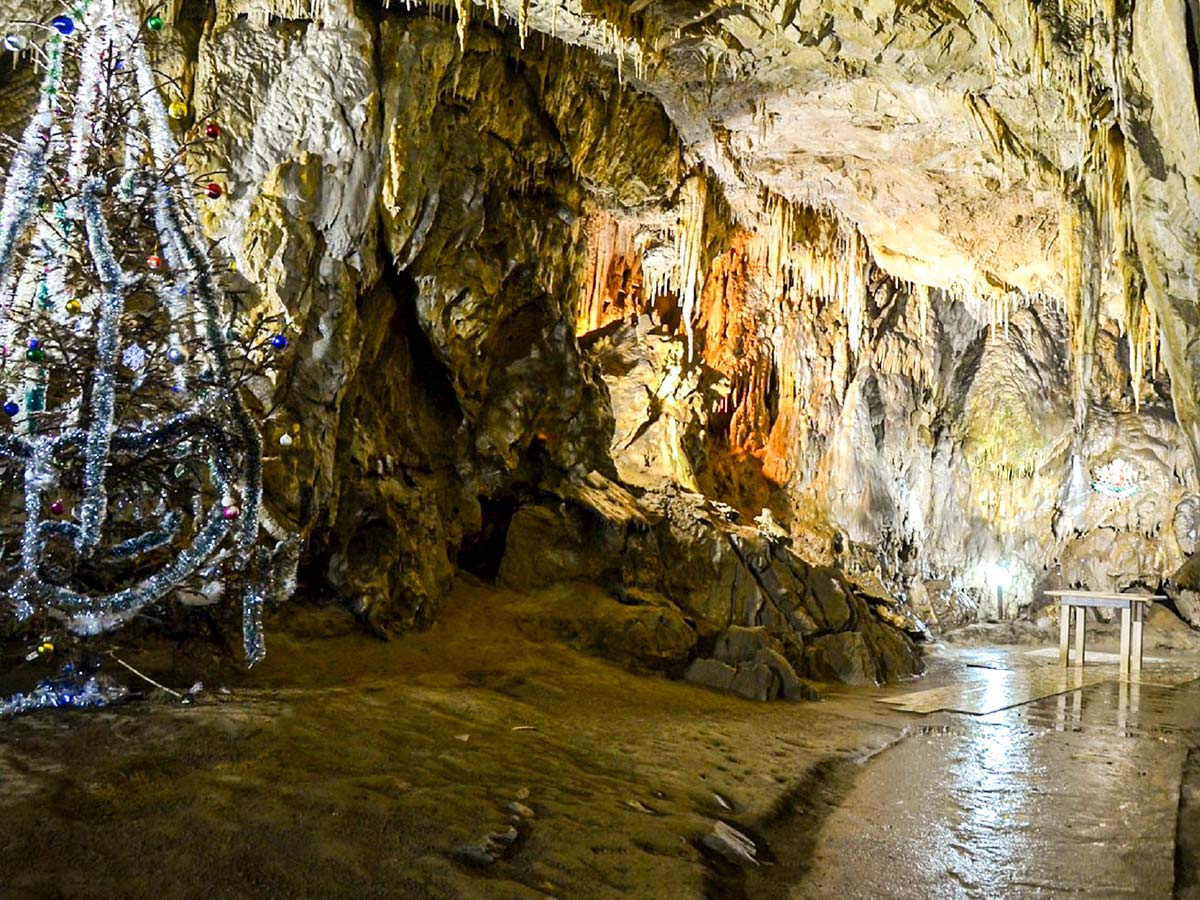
(893, 288)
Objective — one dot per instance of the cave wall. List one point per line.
(438, 380)
(936, 448)
(793, 257)
(415, 211)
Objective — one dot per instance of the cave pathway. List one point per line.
(1075, 793)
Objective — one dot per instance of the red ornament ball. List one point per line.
(154, 261)
(213, 190)
(57, 507)
(229, 513)
(212, 130)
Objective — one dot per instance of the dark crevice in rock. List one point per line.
(428, 372)
(1191, 12)
(1138, 125)
(482, 552)
(401, 508)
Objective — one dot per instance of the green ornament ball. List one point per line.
(154, 23)
(35, 354)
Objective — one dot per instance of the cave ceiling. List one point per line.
(941, 130)
(986, 148)
(961, 139)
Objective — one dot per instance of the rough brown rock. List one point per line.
(636, 628)
(841, 657)
(755, 604)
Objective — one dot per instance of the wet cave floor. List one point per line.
(471, 761)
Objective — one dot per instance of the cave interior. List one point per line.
(647, 358)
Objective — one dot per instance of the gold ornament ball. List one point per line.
(177, 109)
(74, 307)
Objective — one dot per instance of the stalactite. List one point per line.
(790, 364)
(689, 251)
(854, 293)
(463, 9)
(612, 287)
(597, 34)
(658, 272)
(732, 343)
(922, 293)
(522, 20)
(259, 12)
(1091, 93)
(778, 242)
(999, 303)
(815, 255)
(762, 118)
(1081, 268)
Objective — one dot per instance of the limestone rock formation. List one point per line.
(911, 278)
(748, 661)
(757, 608)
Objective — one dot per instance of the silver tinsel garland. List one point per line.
(69, 689)
(213, 426)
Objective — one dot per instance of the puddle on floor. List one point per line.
(1073, 793)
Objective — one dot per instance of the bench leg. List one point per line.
(1064, 633)
(1126, 623)
(1135, 649)
(1080, 633)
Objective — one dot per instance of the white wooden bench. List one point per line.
(1133, 608)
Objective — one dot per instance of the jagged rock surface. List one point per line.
(891, 273)
(761, 610)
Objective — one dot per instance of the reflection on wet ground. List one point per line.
(1072, 793)
(986, 681)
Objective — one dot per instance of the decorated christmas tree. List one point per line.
(130, 363)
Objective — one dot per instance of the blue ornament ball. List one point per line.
(175, 355)
(34, 343)
(64, 25)
(11, 408)
(279, 341)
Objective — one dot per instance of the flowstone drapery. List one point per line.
(131, 462)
